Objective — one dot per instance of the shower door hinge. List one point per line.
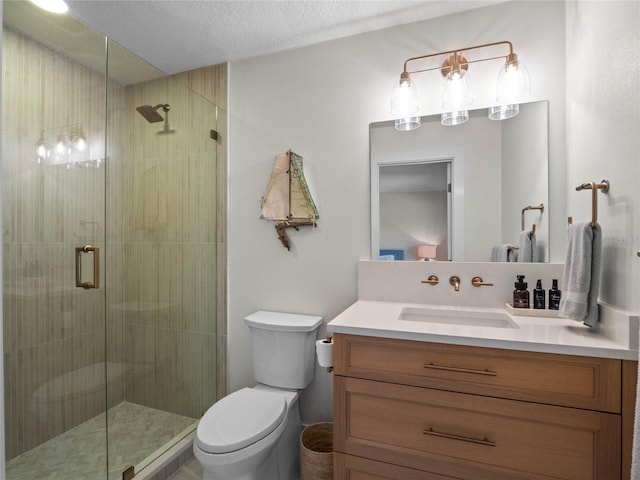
(214, 135)
(129, 473)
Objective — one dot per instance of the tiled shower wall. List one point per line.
(170, 251)
(161, 255)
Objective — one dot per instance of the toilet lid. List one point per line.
(240, 419)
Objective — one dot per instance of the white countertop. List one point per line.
(616, 337)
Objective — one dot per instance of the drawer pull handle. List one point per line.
(460, 370)
(461, 438)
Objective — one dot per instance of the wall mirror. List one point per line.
(460, 193)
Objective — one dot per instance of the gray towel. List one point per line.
(528, 247)
(581, 277)
(500, 253)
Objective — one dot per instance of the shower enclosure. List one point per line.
(110, 253)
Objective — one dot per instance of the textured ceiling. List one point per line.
(180, 35)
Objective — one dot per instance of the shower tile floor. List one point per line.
(135, 432)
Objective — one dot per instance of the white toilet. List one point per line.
(254, 433)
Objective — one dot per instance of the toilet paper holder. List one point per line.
(324, 353)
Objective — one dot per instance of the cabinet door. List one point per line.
(347, 467)
(474, 437)
(565, 380)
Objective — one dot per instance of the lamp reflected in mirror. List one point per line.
(427, 252)
(449, 119)
(503, 112)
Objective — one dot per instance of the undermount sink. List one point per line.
(472, 318)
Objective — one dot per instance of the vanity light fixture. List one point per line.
(62, 145)
(512, 87)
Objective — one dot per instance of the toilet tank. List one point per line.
(283, 346)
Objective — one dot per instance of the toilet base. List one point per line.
(288, 448)
(279, 462)
(269, 469)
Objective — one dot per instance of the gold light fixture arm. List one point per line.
(458, 53)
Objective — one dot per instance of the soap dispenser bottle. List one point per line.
(521, 294)
(539, 296)
(554, 296)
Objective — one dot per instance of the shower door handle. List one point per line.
(96, 267)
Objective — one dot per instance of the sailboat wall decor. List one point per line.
(287, 201)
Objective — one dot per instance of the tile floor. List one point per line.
(80, 453)
(189, 471)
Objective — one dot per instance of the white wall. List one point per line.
(475, 150)
(525, 176)
(319, 101)
(603, 135)
(409, 219)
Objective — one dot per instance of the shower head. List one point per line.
(151, 114)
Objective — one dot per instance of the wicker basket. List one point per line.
(316, 452)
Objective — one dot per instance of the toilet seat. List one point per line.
(240, 419)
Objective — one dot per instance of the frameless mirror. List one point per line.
(466, 193)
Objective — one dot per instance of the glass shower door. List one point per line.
(96, 193)
(53, 228)
(162, 263)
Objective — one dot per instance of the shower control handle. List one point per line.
(96, 267)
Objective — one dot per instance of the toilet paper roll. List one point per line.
(324, 352)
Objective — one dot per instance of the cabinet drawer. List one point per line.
(348, 467)
(566, 380)
(474, 437)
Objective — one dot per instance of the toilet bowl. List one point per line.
(254, 433)
(247, 436)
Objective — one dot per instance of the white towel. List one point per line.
(581, 277)
(528, 247)
(500, 253)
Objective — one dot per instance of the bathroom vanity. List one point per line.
(430, 397)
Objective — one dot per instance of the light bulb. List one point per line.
(61, 148)
(513, 81)
(456, 91)
(41, 149)
(79, 143)
(404, 100)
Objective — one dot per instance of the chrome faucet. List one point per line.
(455, 281)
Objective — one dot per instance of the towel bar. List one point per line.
(594, 187)
(530, 207)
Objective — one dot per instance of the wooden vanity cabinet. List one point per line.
(417, 410)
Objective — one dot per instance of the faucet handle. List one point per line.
(478, 282)
(431, 280)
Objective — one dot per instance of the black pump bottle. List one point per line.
(521, 294)
(539, 296)
(554, 296)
